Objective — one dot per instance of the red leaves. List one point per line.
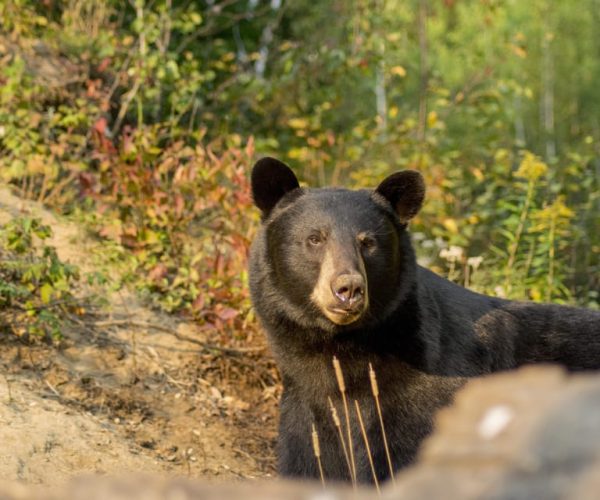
(186, 214)
(104, 64)
(101, 141)
(225, 313)
(158, 272)
(100, 126)
(179, 205)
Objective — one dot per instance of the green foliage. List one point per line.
(35, 285)
(143, 128)
(534, 232)
(43, 144)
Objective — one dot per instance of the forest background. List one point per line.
(141, 120)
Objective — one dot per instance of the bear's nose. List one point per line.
(349, 289)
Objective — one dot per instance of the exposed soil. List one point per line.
(131, 389)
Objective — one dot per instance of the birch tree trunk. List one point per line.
(380, 90)
(423, 71)
(547, 94)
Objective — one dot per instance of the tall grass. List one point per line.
(345, 435)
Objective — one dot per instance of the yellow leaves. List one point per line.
(477, 173)
(287, 45)
(228, 57)
(40, 164)
(432, 119)
(46, 291)
(150, 237)
(298, 123)
(398, 71)
(314, 142)
(298, 153)
(196, 18)
(41, 21)
(554, 215)
(519, 51)
(451, 225)
(393, 112)
(501, 155)
(35, 120)
(58, 149)
(531, 167)
(536, 294)
(517, 46)
(561, 209)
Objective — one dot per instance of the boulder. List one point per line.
(529, 434)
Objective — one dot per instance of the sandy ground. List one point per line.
(132, 390)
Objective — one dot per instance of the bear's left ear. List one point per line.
(405, 191)
(271, 179)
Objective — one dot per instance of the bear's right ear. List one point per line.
(271, 179)
(405, 191)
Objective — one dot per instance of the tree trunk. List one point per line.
(424, 73)
(547, 97)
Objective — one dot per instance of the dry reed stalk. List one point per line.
(366, 440)
(342, 386)
(375, 391)
(317, 450)
(338, 425)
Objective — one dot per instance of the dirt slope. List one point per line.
(132, 390)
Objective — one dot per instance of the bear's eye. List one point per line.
(315, 239)
(367, 242)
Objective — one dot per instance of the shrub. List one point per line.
(35, 285)
(185, 213)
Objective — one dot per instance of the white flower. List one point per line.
(452, 254)
(475, 262)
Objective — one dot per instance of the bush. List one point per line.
(35, 285)
(185, 212)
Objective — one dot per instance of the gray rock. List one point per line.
(533, 433)
(529, 434)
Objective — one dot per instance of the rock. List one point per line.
(533, 433)
(529, 434)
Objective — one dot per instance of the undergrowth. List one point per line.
(138, 119)
(36, 286)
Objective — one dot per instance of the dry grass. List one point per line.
(375, 391)
(339, 375)
(317, 451)
(345, 435)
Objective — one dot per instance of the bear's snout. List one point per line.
(341, 291)
(349, 290)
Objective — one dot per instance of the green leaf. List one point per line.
(46, 292)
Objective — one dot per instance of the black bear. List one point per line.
(333, 273)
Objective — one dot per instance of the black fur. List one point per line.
(423, 335)
(271, 179)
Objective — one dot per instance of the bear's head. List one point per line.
(332, 259)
